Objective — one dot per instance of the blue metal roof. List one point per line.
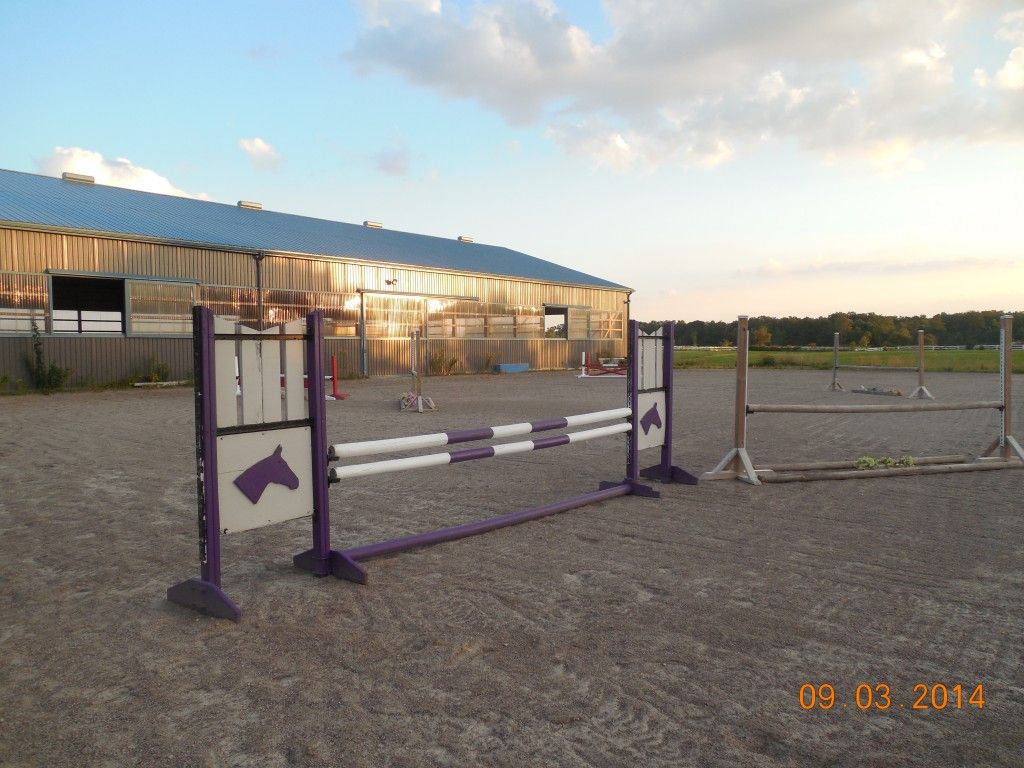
(27, 198)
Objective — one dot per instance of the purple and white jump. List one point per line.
(253, 470)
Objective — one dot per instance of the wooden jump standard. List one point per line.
(738, 465)
(921, 393)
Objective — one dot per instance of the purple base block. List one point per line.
(676, 475)
(339, 565)
(635, 489)
(205, 597)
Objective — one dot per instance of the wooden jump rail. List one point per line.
(921, 393)
(737, 463)
(908, 408)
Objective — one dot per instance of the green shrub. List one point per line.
(867, 462)
(439, 365)
(45, 376)
(157, 371)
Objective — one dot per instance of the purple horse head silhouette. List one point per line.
(273, 469)
(651, 419)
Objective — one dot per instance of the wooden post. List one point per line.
(737, 464)
(835, 386)
(921, 393)
(1006, 370)
(742, 354)
(920, 357)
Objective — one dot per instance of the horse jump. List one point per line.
(921, 393)
(591, 370)
(261, 459)
(738, 465)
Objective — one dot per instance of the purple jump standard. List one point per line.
(306, 492)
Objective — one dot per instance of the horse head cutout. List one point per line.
(273, 469)
(651, 419)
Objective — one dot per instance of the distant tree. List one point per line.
(762, 337)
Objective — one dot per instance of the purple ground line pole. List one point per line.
(483, 526)
(204, 594)
(666, 471)
(321, 560)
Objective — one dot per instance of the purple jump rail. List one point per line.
(392, 546)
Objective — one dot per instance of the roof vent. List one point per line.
(250, 205)
(81, 177)
(373, 224)
(465, 239)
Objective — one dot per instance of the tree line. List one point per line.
(863, 329)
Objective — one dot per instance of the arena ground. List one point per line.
(672, 632)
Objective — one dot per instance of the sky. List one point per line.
(721, 157)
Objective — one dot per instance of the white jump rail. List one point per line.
(473, 454)
(439, 439)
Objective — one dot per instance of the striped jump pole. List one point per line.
(473, 454)
(439, 439)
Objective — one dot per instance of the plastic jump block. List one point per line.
(511, 367)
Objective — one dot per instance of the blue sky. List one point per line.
(721, 157)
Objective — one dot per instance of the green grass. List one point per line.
(956, 360)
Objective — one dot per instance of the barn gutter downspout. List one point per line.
(364, 360)
(258, 259)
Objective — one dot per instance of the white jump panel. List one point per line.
(270, 377)
(224, 371)
(651, 352)
(250, 377)
(294, 388)
(651, 420)
(264, 478)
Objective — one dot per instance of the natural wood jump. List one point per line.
(894, 408)
(858, 474)
(737, 464)
(803, 466)
(920, 393)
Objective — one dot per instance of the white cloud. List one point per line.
(774, 268)
(393, 162)
(261, 154)
(1011, 76)
(384, 13)
(1012, 29)
(693, 82)
(709, 153)
(119, 172)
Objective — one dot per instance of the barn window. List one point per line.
(556, 322)
(87, 305)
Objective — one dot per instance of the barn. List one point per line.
(108, 275)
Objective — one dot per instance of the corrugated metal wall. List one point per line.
(98, 360)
